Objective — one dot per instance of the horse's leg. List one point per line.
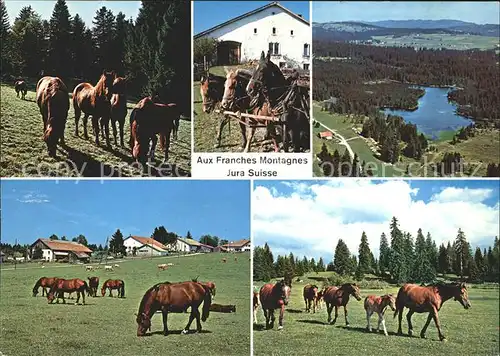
(95, 127)
(250, 134)
(166, 143)
(152, 150)
(438, 326)
(280, 320)
(345, 315)
(336, 315)
(105, 122)
(368, 315)
(243, 129)
(165, 326)
(271, 323)
(198, 323)
(121, 123)
(410, 326)
(305, 301)
(191, 318)
(255, 315)
(115, 134)
(77, 297)
(222, 122)
(382, 320)
(329, 308)
(313, 302)
(266, 315)
(424, 329)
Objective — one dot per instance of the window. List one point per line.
(255, 31)
(274, 48)
(306, 50)
(306, 66)
(291, 33)
(274, 30)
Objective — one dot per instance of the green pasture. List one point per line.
(107, 326)
(436, 41)
(469, 332)
(24, 153)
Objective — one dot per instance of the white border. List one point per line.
(311, 76)
(251, 268)
(191, 87)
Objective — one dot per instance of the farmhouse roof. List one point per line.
(207, 246)
(190, 242)
(148, 241)
(153, 247)
(60, 245)
(253, 12)
(239, 243)
(325, 134)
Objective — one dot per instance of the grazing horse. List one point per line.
(114, 284)
(89, 268)
(310, 296)
(162, 266)
(210, 286)
(148, 119)
(93, 285)
(52, 98)
(429, 299)
(339, 297)
(62, 286)
(274, 296)
(256, 304)
(175, 298)
(118, 107)
(374, 304)
(45, 283)
(95, 101)
(21, 87)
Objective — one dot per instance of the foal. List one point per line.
(374, 304)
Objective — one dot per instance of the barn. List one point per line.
(144, 244)
(150, 250)
(271, 28)
(58, 250)
(238, 246)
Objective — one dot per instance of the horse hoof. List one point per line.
(422, 336)
(184, 332)
(410, 332)
(280, 327)
(444, 339)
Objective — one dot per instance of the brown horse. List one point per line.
(374, 304)
(95, 101)
(211, 286)
(310, 296)
(118, 107)
(114, 284)
(256, 304)
(69, 286)
(175, 129)
(319, 299)
(21, 88)
(274, 296)
(339, 297)
(175, 298)
(146, 120)
(93, 285)
(52, 98)
(428, 299)
(45, 283)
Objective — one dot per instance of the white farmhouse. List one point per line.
(144, 246)
(269, 28)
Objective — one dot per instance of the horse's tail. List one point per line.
(207, 301)
(37, 285)
(131, 121)
(86, 287)
(399, 303)
(122, 290)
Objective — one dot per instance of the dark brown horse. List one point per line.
(175, 128)
(62, 286)
(428, 299)
(339, 297)
(274, 296)
(21, 88)
(118, 107)
(310, 296)
(52, 98)
(93, 285)
(45, 283)
(111, 284)
(95, 101)
(146, 120)
(175, 298)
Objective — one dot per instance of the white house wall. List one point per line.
(291, 46)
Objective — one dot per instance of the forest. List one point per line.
(401, 259)
(336, 165)
(364, 78)
(152, 51)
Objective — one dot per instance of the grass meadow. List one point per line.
(24, 153)
(469, 332)
(107, 326)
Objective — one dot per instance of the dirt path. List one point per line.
(343, 141)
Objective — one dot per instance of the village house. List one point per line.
(328, 135)
(271, 28)
(58, 250)
(144, 246)
(238, 246)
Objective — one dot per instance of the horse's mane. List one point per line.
(147, 293)
(99, 87)
(246, 73)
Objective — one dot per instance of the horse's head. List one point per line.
(229, 89)
(389, 300)
(284, 291)
(353, 290)
(315, 291)
(51, 296)
(461, 295)
(143, 324)
(103, 289)
(35, 292)
(205, 91)
(107, 79)
(119, 85)
(266, 75)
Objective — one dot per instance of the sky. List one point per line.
(477, 12)
(207, 14)
(86, 9)
(309, 217)
(39, 208)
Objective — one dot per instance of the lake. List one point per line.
(435, 113)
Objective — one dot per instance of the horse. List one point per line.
(319, 299)
(175, 128)
(256, 304)
(146, 120)
(310, 296)
(175, 298)
(93, 285)
(95, 101)
(69, 286)
(162, 266)
(113, 284)
(268, 84)
(274, 296)
(45, 283)
(219, 308)
(21, 88)
(211, 91)
(374, 304)
(89, 268)
(210, 286)
(108, 268)
(224, 260)
(52, 98)
(428, 299)
(339, 297)
(118, 107)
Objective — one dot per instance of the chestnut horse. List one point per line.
(319, 299)
(211, 91)
(274, 296)
(118, 107)
(21, 87)
(256, 304)
(175, 129)
(146, 120)
(114, 284)
(374, 304)
(52, 98)
(339, 297)
(210, 286)
(69, 286)
(175, 298)
(95, 101)
(45, 283)
(93, 285)
(310, 296)
(428, 299)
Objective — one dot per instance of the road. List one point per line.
(343, 141)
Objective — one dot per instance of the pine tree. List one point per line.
(116, 243)
(423, 271)
(291, 259)
(336, 163)
(432, 252)
(443, 260)
(462, 253)
(59, 41)
(480, 264)
(346, 164)
(398, 264)
(103, 34)
(81, 49)
(268, 261)
(280, 266)
(4, 39)
(119, 37)
(355, 166)
(342, 262)
(321, 265)
(81, 239)
(409, 249)
(474, 274)
(365, 255)
(312, 265)
(385, 252)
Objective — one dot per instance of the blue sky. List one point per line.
(40, 208)
(309, 217)
(208, 14)
(478, 12)
(86, 9)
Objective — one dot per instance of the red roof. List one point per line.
(210, 247)
(149, 241)
(326, 134)
(60, 245)
(239, 243)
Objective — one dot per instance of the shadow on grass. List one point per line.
(259, 327)
(317, 322)
(179, 332)
(295, 311)
(365, 331)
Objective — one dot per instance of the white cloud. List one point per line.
(312, 219)
(34, 198)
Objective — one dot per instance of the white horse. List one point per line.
(374, 304)
(89, 268)
(108, 268)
